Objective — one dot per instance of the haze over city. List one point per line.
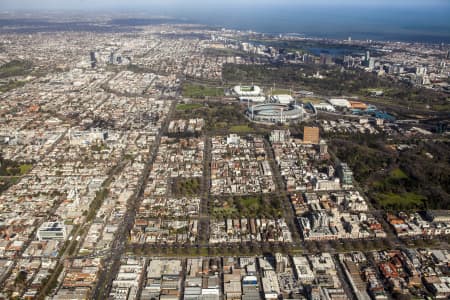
(403, 20)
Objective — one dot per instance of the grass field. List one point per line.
(201, 91)
(398, 174)
(15, 170)
(250, 203)
(220, 125)
(280, 92)
(392, 103)
(241, 129)
(395, 176)
(239, 206)
(188, 106)
(404, 201)
(24, 168)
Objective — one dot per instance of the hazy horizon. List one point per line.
(177, 4)
(403, 20)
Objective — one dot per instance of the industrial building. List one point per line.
(358, 105)
(52, 231)
(342, 103)
(311, 135)
(324, 107)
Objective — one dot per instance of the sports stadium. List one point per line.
(276, 113)
(246, 91)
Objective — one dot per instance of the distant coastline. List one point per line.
(424, 25)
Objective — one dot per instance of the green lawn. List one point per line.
(251, 203)
(217, 116)
(280, 92)
(247, 205)
(24, 168)
(201, 91)
(402, 201)
(398, 174)
(188, 106)
(221, 125)
(14, 169)
(396, 177)
(241, 129)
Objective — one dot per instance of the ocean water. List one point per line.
(394, 20)
(421, 23)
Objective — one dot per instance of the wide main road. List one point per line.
(111, 262)
(288, 211)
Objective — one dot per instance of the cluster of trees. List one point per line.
(247, 206)
(186, 186)
(11, 85)
(15, 68)
(227, 52)
(98, 147)
(337, 81)
(135, 68)
(13, 168)
(431, 175)
(96, 203)
(184, 135)
(217, 115)
(368, 157)
(222, 118)
(415, 178)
